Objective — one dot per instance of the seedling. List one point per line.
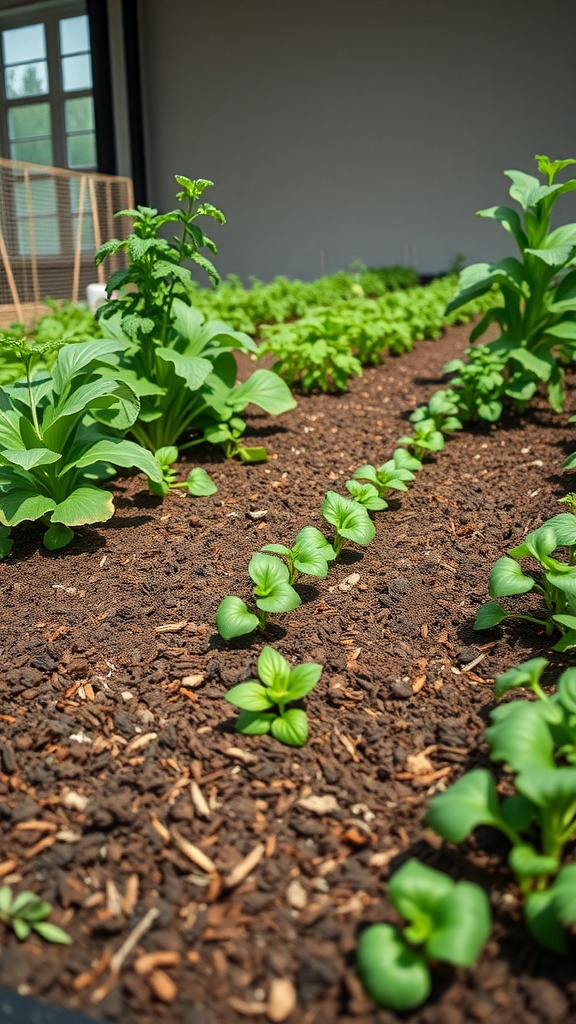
(448, 921)
(426, 438)
(273, 592)
(197, 483)
(442, 410)
(264, 704)
(309, 555)
(349, 519)
(391, 475)
(27, 913)
(366, 494)
(556, 582)
(228, 435)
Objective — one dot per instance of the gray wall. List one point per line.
(343, 129)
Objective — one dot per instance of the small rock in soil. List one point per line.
(400, 690)
(465, 655)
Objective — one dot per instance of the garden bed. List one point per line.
(113, 685)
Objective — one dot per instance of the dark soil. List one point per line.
(113, 683)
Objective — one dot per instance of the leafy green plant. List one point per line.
(26, 913)
(52, 452)
(447, 921)
(392, 475)
(425, 439)
(349, 519)
(442, 411)
(197, 483)
(555, 581)
(537, 322)
(273, 592)
(309, 555)
(479, 384)
(264, 703)
(366, 494)
(181, 366)
(536, 742)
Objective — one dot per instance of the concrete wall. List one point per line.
(343, 129)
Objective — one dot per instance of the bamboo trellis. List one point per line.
(51, 222)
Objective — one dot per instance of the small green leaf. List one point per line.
(525, 862)
(273, 669)
(462, 924)
(254, 723)
(234, 619)
(57, 536)
(52, 933)
(507, 578)
(542, 921)
(520, 736)
(488, 615)
(199, 484)
(6, 542)
(469, 802)
(249, 696)
(527, 674)
(392, 974)
(291, 728)
(303, 679)
(21, 928)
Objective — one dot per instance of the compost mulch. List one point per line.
(212, 878)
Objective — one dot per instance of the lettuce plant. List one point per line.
(309, 555)
(447, 921)
(263, 701)
(26, 913)
(442, 410)
(555, 581)
(349, 519)
(536, 742)
(272, 591)
(537, 323)
(181, 366)
(52, 452)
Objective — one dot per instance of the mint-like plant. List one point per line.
(555, 581)
(308, 556)
(538, 320)
(447, 921)
(26, 913)
(264, 701)
(349, 519)
(53, 453)
(272, 591)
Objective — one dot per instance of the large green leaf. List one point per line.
(524, 187)
(119, 453)
(264, 389)
(520, 736)
(469, 802)
(19, 503)
(192, 369)
(86, 504)
(509, 220)
(303, 679)
(291, 728)
(542, 921)
(199, 484)
(234, 619)
(558, 247)
(84, 355)
(28, 458)
(250, 696)
(349, 518)
(462, 924)
(273, 669)
(549, 787)
(393, 975)
(254, 723)
(478, 278)
(507, 578)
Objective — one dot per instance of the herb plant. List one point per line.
(447, 921)
(349, 519)
(309, 555)
(273, 592)
(538, 320)
(555, 581)
(52, 452)
(181, 366)
(264, 703)
(26, 913)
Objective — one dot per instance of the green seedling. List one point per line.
(425, 439)
(392, 475)
(442, 410)
(537, 323)
(479, 384)
(228, 435)
(447, 921)
(349, 519)
(309, 555)
(366, 494)
(264, 703)
(26, 913)
(555, 582)
(197, 483)
(273, 592)
(52, 450)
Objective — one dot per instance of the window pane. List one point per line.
(37, 152)
(23, 44)
(79, 114)
(40, 236)
(36, 197)
(28, 121)
(74, 35)
(26, 80)
(82, 150)
(76, 72)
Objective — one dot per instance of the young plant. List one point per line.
(272, 591)
(181, 366)
(264, 703)
(442, 410)
(197, 483)
(27, 913)
(555, 582)
(349, 519)
(366, 494)
(392, 475)
(52, 452)
(309, 555)
(537, 322)
(479, 384)
(425, 439)
(447, 921)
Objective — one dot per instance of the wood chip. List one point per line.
(382, 858)
(117, 961)
(347, 743)
(113, 900)
(472, 664)
(139, 742)
(192, 681)
(418, 683)
(199, 800)
(162, 986)
(35, 826)
(39, 847)
(282, 1000)
(7, 867)
(150, 961)
(245, 867)
(131, 895)
(160, 828)
(193, 853)
(247, 1009)
(319, 804)
(241, 755)
(88, 978)
(172, 627)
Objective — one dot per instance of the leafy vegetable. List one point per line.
(309, 555)
(349, 519)
(264, 703)
(447, 920)
(273, 592)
